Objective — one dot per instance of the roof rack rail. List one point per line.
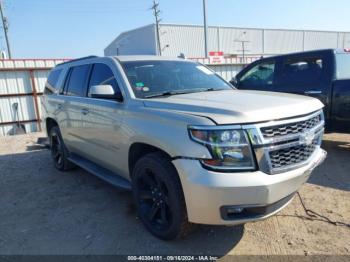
(79, 59)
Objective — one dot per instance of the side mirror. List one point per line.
(234, 81)
(104, 92)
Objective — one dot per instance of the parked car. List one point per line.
(323, 74)
(190, 147)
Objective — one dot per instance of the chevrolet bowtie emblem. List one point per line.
(307, 138)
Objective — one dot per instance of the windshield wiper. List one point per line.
(171, 93)
(167, 93)
(211, 89)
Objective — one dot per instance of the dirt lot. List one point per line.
(44, 211)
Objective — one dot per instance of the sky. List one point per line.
(75, 28)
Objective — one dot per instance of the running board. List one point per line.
(102, 173)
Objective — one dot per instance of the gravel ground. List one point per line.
(44, 211)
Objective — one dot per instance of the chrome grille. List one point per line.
(291, 128)
(292, 155)
(286, 144)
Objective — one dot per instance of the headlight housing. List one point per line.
(230, 148)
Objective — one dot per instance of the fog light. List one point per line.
(234, 210)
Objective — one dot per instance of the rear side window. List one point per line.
(103, 75)
(343, 66)
(76, 85)
(306, 70)
(52, 81)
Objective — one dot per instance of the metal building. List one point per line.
(22, 83)
(188, 39)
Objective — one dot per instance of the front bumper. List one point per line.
(209, 194)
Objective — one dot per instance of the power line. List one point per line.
(6, 27)
(156, 13)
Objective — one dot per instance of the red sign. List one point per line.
(216, 53)
(216, 57)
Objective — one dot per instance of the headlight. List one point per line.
(230, 149)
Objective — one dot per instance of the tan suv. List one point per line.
(191, 147)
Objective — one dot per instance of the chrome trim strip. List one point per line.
(257, 138)
(282, 122)
(294, 143)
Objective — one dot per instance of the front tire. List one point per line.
(59, 152)
(159, 197)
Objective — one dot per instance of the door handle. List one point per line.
(59, 106)
(85, 111)
(313, 92)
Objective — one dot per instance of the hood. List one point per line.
(238, 106)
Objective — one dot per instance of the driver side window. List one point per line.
(259, 76)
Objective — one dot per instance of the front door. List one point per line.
(102, 122)
(260, 76)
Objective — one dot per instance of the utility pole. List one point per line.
(205, 29)
(5, 26)
(243, 42)
(156, 13)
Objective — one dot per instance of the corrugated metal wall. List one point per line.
(22, 81)
(282, 41)
(189, 39)
(229, 68)
(227, 71)
(140, 41)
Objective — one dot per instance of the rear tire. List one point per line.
(159, 197)
(59, 152)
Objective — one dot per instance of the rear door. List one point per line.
(341, 94)
(258, 76)
(72, 108)
(306, 74)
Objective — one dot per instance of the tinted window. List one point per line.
(343, 65)
(52, 81)
(148, 78)
(76, 85)
(305, 70)
(260, 75)
(103, 75)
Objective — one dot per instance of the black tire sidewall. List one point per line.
(56, 131)
(164, 170)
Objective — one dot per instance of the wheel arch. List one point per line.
(139, 149)
(50, 123)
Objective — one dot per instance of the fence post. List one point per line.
(35, 98)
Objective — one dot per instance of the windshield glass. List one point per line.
(150, 78)
(343, 65)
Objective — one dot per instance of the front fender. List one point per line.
(168, 131)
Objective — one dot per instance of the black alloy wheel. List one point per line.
(159, 197)
(59, 153)
(153, 200)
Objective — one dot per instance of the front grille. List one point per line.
(291, 128)
(287, 144)
(292, 155)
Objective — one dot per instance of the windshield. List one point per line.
(152, 78)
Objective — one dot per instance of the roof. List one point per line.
(127, 58)
(336, 51)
